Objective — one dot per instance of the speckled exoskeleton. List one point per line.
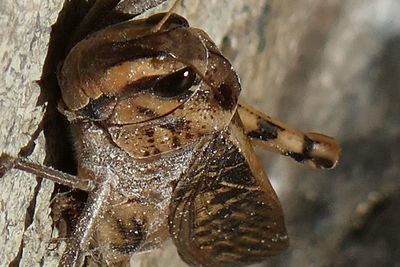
(165, 149)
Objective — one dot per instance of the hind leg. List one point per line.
(314, 149)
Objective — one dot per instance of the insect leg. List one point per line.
(8, 162)
(314, 149)
(79, 242)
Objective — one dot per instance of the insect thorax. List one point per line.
(137, 215)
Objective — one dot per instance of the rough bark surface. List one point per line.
(329, 66)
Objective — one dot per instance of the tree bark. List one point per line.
(328, 66)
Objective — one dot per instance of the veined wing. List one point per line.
(224, 211)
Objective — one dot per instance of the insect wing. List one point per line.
(224, 212)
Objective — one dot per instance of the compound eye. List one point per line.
(175, 84)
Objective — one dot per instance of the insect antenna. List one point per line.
(165, 18)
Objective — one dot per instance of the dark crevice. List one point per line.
(60, 153)
(27, 150)
(59, 146)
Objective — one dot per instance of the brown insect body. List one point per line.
(163, 152)
(134, 137)
(122, 77)
(136, 208)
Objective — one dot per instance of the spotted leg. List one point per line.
(314, 149)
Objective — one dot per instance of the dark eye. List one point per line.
(176, 83)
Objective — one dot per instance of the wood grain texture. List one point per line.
(329, 66)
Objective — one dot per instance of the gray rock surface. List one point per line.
(328, 66)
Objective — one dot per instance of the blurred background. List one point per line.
(329, 66)
(332, 67)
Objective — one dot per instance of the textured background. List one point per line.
(329, 66)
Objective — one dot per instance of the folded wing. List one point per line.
(224, 211)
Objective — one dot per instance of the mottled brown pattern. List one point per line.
(265, 131)
(314, 149)
(121, 232)
(227, 213)
(164, 149)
